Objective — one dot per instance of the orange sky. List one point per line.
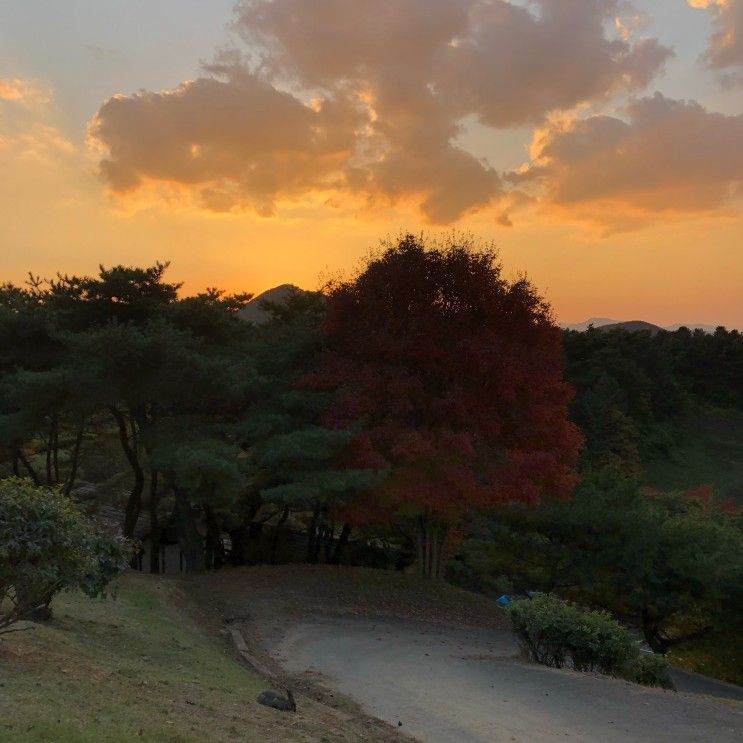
(607, 164)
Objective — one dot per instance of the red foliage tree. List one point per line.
(457, 376)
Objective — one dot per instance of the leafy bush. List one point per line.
(557, 633)
(649, 669)
(46, 546)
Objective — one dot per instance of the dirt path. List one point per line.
(441, 661)
(466, 686)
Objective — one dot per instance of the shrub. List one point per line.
(649, 669)
(46, 546)
(557, 633)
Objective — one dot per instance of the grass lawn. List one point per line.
(710, 452)
(141, 667)
(719, 654)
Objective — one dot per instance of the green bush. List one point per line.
(46, 546)
(558, 633)
(649, 669)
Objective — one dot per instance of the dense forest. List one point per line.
(663, 408)
(426, 412)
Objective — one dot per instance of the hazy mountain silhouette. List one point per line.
(253, 310)
(632, 326)
(693, 326)
(597, 322)
(605, 323)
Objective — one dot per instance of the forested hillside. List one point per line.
(665, 408)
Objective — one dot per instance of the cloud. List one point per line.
(38, 142)
(725, 50)
(22, 91)
(234, 137)
(365, 101)
(665, 157)
(27, 130)
(507, 63)
(513, 67)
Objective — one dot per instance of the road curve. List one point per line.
(468, 686)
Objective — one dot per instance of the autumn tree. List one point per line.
(456, 373)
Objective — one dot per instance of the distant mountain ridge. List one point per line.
(253, 311)
(597, 322)
(633, 326)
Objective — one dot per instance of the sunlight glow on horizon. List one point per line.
(627, 206)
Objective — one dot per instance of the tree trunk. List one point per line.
(431, 543)
(55, 450)
(35, 602)
(419, 534)
(238, 540)
(651, 631)
(27, 465)
(276, 534)
(190, 541)
(49, 446)
(75, 459)
(442, 539)
(340, 545)
(327, 547)
(312, 535)
(240, 535)
(134, 503)
(659, 642)
(320, 539)
(213, 552)
(16, 470)
(154, 524)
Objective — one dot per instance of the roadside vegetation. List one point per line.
(558, 633)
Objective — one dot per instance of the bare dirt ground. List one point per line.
(440, 661)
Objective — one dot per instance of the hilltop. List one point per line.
(632, 326)
(254, 311)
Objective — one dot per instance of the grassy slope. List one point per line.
(709, 452)
(719, 654)
(140, 667)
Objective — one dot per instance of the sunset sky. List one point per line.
(598, 143)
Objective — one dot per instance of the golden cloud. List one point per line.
(364, 101)
(235, 138)
(666, 157)
(27, 130)
(20, 90)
